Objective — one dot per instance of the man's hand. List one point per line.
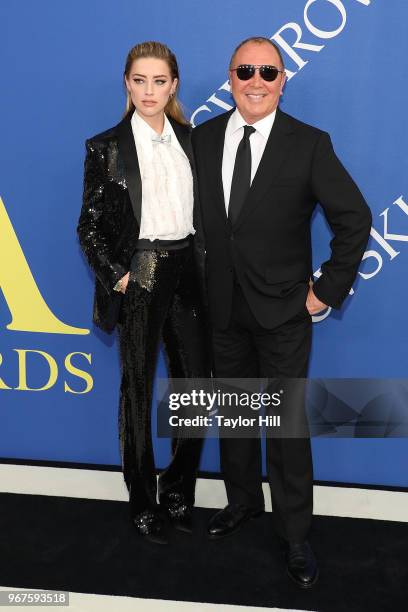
(314, 305)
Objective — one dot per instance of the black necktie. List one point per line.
(241, 177)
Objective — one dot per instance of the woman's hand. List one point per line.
(124, 282)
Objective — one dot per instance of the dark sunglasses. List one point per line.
(247, 71)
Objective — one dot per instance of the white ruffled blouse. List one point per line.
(167, 183)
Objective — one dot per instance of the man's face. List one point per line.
(256, 98)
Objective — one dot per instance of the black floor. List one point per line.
(90, 546)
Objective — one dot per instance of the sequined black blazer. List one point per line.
(109, 222)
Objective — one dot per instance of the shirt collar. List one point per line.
(143, 133)
(144, 130)
(263, 126)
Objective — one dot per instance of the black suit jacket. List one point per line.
(269, 246)
(109, 222)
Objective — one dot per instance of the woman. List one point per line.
(136, 229)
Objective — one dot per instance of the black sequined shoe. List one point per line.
(150, 525)
(178, 511)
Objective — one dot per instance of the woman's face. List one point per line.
(150, 85)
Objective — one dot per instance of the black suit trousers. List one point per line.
(247, 350)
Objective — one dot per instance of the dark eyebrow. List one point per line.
(157, 76)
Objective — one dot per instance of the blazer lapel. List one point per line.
(127, 151)
(182, 133)
(278, 146)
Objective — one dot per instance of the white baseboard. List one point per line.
(100, 484)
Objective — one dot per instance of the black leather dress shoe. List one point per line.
(302, 565)
(150, 525)
(230, 519)
(178, 511)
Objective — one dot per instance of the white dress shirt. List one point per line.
(167, 183)
(233, 136)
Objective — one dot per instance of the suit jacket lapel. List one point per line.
(182, 133)
(127, 151)
(278, 146)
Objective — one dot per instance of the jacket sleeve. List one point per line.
(349, 218)
(94, 241)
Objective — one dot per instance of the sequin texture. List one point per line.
(161, 304)
(108, 227)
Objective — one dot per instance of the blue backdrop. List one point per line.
(61, 66)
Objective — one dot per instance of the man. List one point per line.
(261, 173)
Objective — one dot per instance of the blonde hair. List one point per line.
(156, 50)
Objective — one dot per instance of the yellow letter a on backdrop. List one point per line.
(28, 308)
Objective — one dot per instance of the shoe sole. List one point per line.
(302, 585)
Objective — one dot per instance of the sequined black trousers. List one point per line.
(161, 305)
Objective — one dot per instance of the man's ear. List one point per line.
(283, 83)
